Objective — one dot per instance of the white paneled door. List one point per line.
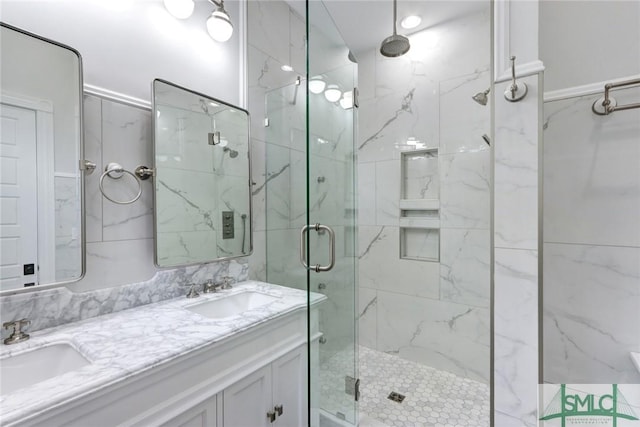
(18, 203)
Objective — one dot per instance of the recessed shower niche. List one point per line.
(420, 205)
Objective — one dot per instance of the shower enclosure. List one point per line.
(405, 327)
(310, 207)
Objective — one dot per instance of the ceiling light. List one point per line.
(410, 22)
(219, 24)
(181, 9)
(317, 84)
(287, 68)
(332, 93)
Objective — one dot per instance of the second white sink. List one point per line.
(32, 367)
(231, 305)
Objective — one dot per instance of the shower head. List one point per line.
(232, 153)
(394, 45)
(481, 97)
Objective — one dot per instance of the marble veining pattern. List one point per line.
(53, 307)
(141, 343)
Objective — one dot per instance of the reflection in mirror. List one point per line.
(41, 231)
(202, 178)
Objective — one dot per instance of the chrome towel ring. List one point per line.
(116, 171)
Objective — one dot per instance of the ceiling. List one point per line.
(365, 23)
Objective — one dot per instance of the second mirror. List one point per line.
(202, 177)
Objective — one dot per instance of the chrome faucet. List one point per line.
(17, 335)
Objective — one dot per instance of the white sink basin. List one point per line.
(32, 367)
(231, 305)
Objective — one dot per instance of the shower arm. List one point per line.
(395, 17)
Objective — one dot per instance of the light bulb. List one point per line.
(219, 25)
(317, 84)
(332, 93)
(181, 9)
(287, 68)
(410, 22)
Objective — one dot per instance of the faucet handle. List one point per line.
(17, 335)
(193, 293)
(227, 281)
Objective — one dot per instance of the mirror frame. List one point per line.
(81, 170)
(155, 166)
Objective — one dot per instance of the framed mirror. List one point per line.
(41, 185)
(202, 178)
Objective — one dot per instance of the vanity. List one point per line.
(235, 357)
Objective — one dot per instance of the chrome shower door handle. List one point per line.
(332, 247)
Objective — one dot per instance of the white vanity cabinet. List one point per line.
(201, 415)
(232, 382)
(274, 395)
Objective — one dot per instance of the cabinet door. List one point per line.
(290, 388)
(201, 415)
(246, 403)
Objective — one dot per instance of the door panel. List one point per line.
(247, 402)
(18, 204)
(290, 388)
(331, 202)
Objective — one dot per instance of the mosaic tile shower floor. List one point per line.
(433, 398)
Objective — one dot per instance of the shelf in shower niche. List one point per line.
(420, 244)
(420, 204)
(414, 222)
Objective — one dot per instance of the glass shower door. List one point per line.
(310, 175)
(331, 216)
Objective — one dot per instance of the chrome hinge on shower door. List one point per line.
(352, 387)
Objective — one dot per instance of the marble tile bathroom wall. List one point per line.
(591, 241)
(516, 257)
(67, 234)
(275, 37)
(432, 312)
(120, 270)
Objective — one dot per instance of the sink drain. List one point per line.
(396, 397)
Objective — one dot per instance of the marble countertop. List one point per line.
(130, 342)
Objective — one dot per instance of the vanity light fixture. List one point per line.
(411, 21)
(219, 24)
(181, 9)
(317, 85)
(332, 93)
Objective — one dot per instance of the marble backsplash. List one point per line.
(52, 307)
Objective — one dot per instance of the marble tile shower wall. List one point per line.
(591, 241)
(120, 271)
(434, 313)
(276, 37)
